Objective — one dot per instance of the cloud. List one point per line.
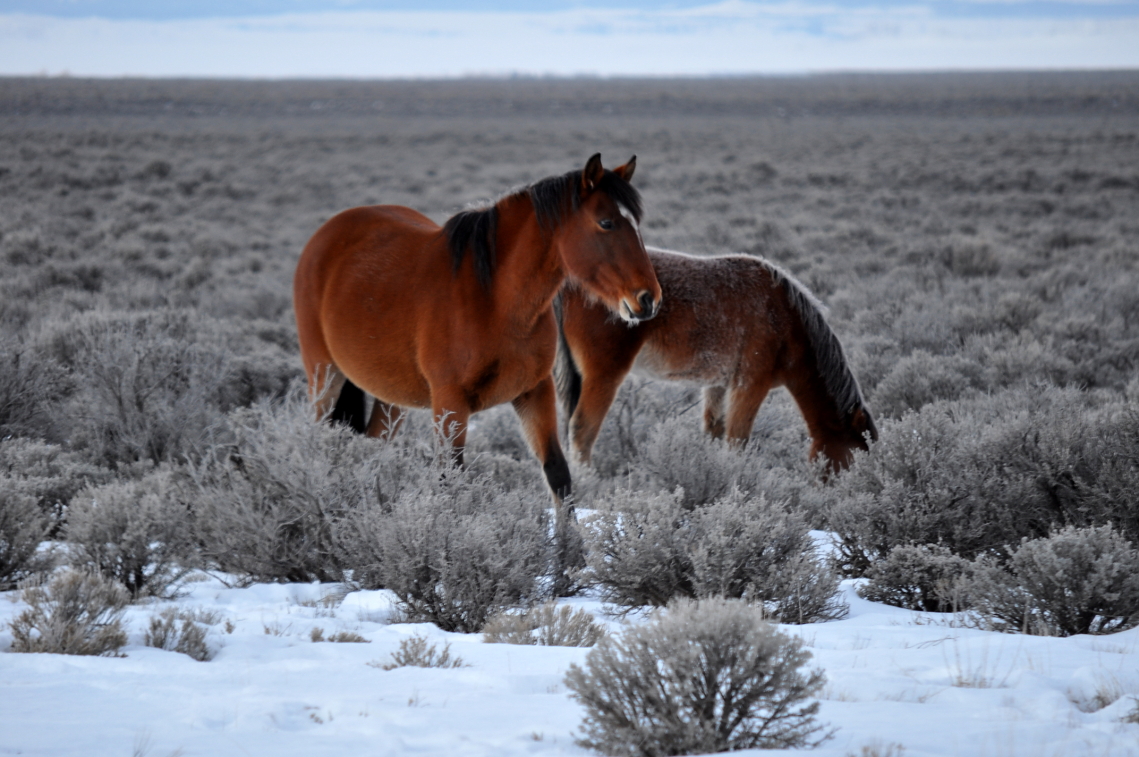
(732, 37)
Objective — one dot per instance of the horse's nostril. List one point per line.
(645, 300)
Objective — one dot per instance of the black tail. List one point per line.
(567, 378)
(351, 409)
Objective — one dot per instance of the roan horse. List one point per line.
(736, 324)
(459, 318)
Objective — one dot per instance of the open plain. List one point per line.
(974, 236)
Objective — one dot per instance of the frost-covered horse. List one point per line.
(737, 325)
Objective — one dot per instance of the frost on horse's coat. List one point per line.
(459, 318)
(736, 324)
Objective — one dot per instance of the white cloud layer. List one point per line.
(734, 37)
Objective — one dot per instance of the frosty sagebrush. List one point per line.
(72, 613)
(705, 676)
(649, 549)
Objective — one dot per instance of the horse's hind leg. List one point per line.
(385, 420)
(351, 407)
(714, 411)
(743, 404)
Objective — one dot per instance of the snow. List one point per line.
(918, 680)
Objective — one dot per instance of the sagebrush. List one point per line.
(71, 613)
(1075, 581)
(456, 553)
(648, 549)
(137, 532)
(705, 676)
(417, 652)
(975, 475)
(548, 624)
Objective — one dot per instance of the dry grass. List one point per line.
(180, 631)
(879, 749)
(415, 651)
(340, 637)
(545, 625)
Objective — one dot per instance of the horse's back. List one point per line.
(385, 231)
(720, 315)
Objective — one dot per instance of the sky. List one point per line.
(448, 38)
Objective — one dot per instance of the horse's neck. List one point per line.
(805, 380)
(528, 271)
(819, 410)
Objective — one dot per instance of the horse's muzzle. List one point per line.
(647, 307)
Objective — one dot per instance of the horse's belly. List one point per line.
(384, 369)
(703, 368)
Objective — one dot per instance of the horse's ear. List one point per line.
(592, 174)
(626, 171)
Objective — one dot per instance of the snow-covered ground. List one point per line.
(894, 677)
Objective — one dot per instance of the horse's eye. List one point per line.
(606, 224)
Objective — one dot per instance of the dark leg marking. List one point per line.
(557, 472)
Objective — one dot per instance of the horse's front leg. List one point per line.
(714, 411)
(743, 405)
(537, 410)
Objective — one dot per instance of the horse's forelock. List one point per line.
(555, 197)
(623, 193)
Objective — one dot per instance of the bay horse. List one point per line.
(737, 325)
(459, 318)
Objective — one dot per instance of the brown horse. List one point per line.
(459, 318)
(739, 326)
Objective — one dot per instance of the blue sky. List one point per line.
(165, 10)
(415, 38)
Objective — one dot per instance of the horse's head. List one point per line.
(839, 445)
(601, 246)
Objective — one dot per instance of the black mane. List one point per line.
(553, 199)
